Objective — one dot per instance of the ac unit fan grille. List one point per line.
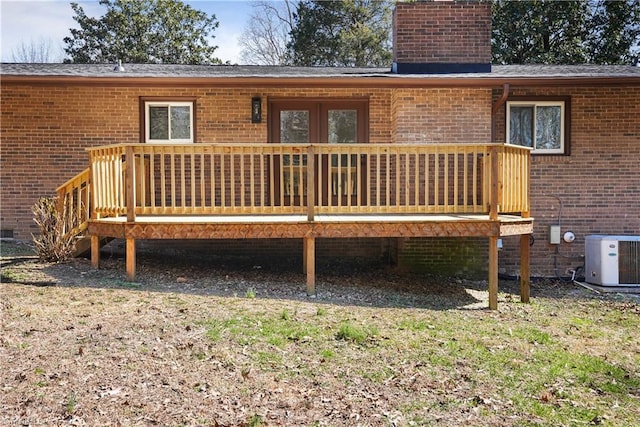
(629, 262)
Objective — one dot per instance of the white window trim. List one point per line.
(536, 104)
(169, 104)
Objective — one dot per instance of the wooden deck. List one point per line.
(239, 191)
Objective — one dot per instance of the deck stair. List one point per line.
(74, 202)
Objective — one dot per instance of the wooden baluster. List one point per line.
(311, 184)
(130, 184)
(494, 183)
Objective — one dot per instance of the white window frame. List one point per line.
(168, 104)
(535, 105)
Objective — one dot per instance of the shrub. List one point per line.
(52, 244)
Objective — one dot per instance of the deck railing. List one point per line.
(514, 168)
(207, 179)
(73, 199)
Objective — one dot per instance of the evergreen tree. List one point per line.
(539, 31)
(614, 32)
(565, 32)
(350, 33)
(142, 31)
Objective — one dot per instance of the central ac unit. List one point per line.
(612, 260)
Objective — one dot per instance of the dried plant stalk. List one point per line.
(53, 244)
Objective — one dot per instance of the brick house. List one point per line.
(582, 121)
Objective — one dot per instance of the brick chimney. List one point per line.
(447, 36)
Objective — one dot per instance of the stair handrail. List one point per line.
(74, 203)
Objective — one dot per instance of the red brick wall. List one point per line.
(45, 130)
(274, 252)
(442, 32)
(442, 115)
(598, 184)
(44, 133)
(465, 257)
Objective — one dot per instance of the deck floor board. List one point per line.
(275, 219)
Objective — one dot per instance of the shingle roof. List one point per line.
(180, 71)
(194, 73)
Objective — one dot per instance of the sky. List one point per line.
(24, 20)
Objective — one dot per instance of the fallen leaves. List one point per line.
(96, 350)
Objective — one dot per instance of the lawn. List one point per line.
(79, 347)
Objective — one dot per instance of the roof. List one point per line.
(338, 76)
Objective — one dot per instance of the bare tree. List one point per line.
(36, 51)
(265, 37)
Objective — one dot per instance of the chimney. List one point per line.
(447, 36)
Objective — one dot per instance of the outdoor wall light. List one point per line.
(256, 110)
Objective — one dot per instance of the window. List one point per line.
(168, 122)
(541, 125)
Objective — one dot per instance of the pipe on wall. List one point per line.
(499, 103)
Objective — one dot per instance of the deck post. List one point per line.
(493, 273)
(131, 258)
(304, 255)
(525, 268)
(310, 264)
(95, 251)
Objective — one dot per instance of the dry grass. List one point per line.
(82, 347)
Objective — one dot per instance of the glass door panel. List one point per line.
(342, 128)
(294, 126)
(294, 129)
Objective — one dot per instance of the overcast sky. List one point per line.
(50, 20)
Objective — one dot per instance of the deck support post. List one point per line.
(493, 273)
(95, 251)
(525, 267)
(131, 259)
(310, 264)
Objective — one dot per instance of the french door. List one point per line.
(320, 122)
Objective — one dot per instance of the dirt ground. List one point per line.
(80, 346)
